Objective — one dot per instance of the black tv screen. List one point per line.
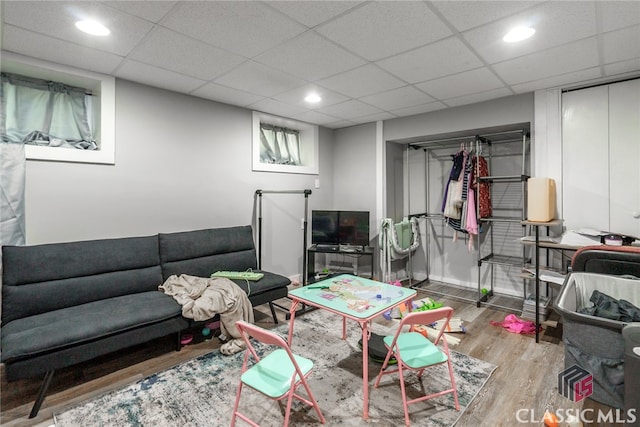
(324, 227)
(353, 228)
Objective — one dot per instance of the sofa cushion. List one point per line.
(203, 252)
(42, 278)
(83, 323)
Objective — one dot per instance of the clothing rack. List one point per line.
(477, 140)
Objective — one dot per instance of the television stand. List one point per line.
(355, 252)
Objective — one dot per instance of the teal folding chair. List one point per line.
(276, 375)
(414, 351)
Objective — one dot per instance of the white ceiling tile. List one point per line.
(381, 29)
(350, 109)
(616, 45)
(154, 76)
(312, 13)
(297, 95)
(469, 14)
(558, 81)
(339, 124)
(176, 52)
(57, 19)
(419, 109)
(618, 14)
(227, 95)
(560, 60)
(315, 117)
(478, 97)
(465, 83)
(150, 10)
(429, 62)
(394, 99)
(314, 57)
(556, 23)
(278, 108)
(49, 49)
(243, 27)
(259, 79)
(374, 118)
(362, 81)
(623, 67)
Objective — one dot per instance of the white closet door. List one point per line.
(585, 158)
(624, 152)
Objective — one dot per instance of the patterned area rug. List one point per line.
(201, 392)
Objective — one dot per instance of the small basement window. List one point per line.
(284, 145)
(59, 113)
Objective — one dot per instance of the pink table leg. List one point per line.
(365, 369)
(292, 312)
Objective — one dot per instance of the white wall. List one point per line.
(182, 163)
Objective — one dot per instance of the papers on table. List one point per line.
(548, 275)
(580, 237)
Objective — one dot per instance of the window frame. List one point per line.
(102, 87)
(309, 151)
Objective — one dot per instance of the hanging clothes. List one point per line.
(456, 211)
(482, 188)
(451, 188)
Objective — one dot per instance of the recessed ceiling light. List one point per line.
(518, 34)
(92, 27)
(313, 98)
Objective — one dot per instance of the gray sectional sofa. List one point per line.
(65, 303)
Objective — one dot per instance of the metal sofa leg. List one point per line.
(273, 313)
(41, 394)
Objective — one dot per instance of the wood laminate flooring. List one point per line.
(524, 384)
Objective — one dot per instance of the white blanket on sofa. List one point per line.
(202, 298)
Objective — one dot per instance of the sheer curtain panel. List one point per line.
(279, 145)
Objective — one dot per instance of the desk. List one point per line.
(536, 226)
(366, 251)
(354, 298)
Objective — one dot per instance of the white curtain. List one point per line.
(42, 112)
(12, 179)
(279, 145)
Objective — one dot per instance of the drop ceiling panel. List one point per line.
(315, 117)
(227, 95)
(57, 19)
(616, 46)
(556, 81)
(556, 23)
(176, 52)
(468, 82)
(470, 14)
(623, 67)
(277, 108)
(350, 109)
(561, 60)
(146, 74)
(312, 13)
(362, 81)
(243, 27)
(297, 95)
(59, 51)
(419, 109)
(259, 79)
(394, 99)
(618, 14)
(152, 11)
(477, 97)
(439, 59)
(380, 29)
(315, 57)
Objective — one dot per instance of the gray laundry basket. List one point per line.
(595, 343)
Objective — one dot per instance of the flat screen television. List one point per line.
(324, 228)
(340, 227)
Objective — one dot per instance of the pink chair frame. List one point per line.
(412, 319)
(298, 378)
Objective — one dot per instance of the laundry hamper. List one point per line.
(596, 343)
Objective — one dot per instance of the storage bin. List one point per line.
(541, 199)
(595, 343)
